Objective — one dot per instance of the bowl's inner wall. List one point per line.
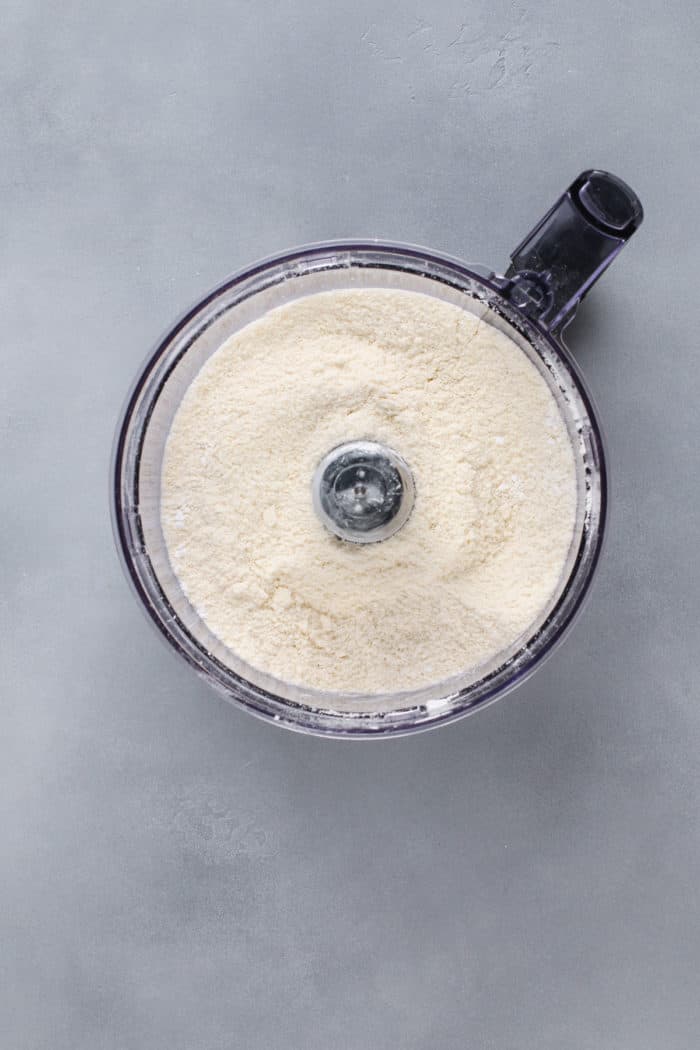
(178, 363)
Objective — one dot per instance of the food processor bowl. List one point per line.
(551, 271)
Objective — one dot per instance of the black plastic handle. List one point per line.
(565, 254)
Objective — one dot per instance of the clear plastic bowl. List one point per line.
(138, 458)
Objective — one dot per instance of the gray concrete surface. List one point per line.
(176, 875)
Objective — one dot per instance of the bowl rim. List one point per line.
(296, 716)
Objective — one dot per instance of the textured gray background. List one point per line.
(176, 875)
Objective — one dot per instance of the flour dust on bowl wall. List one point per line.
(360, 487)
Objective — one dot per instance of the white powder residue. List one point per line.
(479, 558)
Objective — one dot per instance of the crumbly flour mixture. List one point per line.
(483, 550)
